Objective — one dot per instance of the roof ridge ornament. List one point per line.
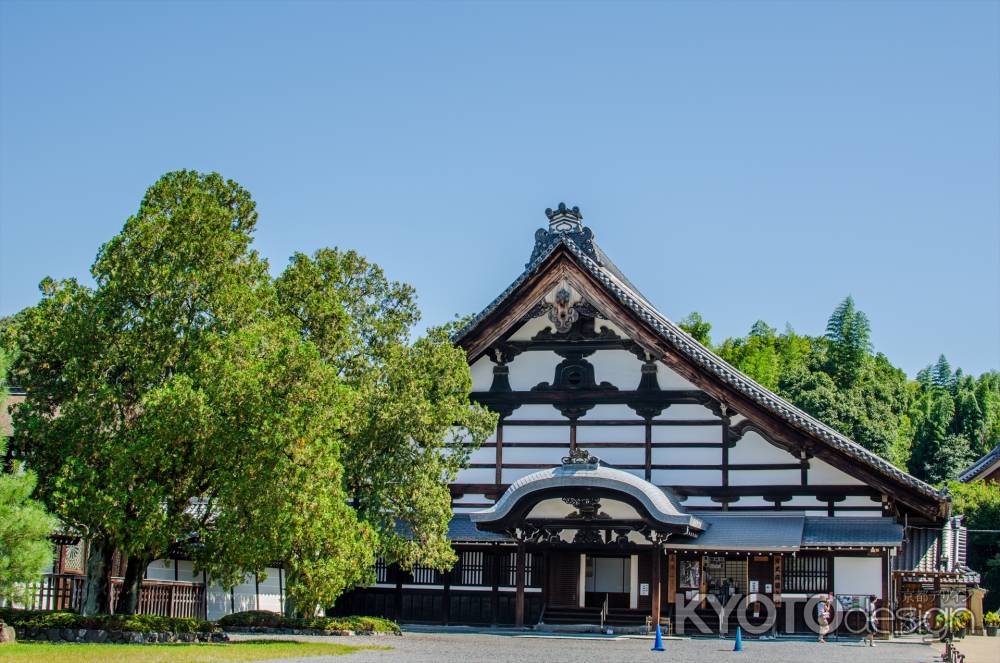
(580, 456)
(564, 223)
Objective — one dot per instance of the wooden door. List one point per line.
(564, 579)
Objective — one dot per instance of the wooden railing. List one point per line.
(168, 599)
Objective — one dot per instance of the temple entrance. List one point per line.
(608, 578)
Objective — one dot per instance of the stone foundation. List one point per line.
(94, 635)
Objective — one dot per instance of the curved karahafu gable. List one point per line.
(583, 475)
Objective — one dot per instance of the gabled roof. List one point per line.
(596, 263)
(982, 466)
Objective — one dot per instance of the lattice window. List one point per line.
(805, 573)
(72, 558)
(381, 571)
(424, 575)
(508, 570)
(472, 568)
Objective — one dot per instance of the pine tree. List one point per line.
(849, 334)
(941, 374)
(25, 526)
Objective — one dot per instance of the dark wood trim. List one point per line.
(742, 467)
(648, 444)
(612, 422)
(499, 454)
(572, 436)
(561, 266)
(606, 445)
(519, 584)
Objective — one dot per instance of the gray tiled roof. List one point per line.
(753, 533)
(628, 296)
(980, 465)
(848, 531)
(461, 528)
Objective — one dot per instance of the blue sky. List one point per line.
(746, 160)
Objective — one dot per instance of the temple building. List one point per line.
(632, 470)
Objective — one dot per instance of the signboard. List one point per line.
(754, 586)
(644, 589)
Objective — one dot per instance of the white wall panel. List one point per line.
(857, 575)
(535, 412)
(245, 594)
(874, 513)
(668, 379)
(512, 475)
(484, 455)
(687, 456)
(270, 592)
(687, 477)
(160, 569)
(619, 367)
(764, 477)
(687, 411)
(821, 474)
(477, 475)
(610, 434)
(753, 448)
(617, 456)
(687, 434)
(526, 331)
(536, 433)
(860, 500)
(218, 602)
(482, 374)
(616, 411)
(185, 571)
(534, 455)
(470, 497)
(530, 368)
(699, 500)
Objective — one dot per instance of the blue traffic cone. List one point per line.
(658, 643)
(739, 640)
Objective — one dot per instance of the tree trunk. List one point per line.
(96, 597)
(128, 599)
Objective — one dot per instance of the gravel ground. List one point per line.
(439, 647)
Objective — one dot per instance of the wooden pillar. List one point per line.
(519, 597)
(671, 578)
(499, 468)
(446, 578)
(885, 622)
(654, 589)
(495, 572)
(649, 450)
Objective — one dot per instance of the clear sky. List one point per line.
(746, 160)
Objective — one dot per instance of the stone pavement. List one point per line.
(977, 649)
(476, 647)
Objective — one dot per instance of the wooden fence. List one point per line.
(168, 599)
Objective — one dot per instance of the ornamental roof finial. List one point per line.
(563, 219)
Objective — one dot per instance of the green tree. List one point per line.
(168, 404)
(25, 526)
(849, 334)
(979, 502)
(698, 327)
(416, 425)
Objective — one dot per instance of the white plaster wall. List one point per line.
(616, 411)
(668, 379)
(860, 500)
(482, 374)
(245, 594)
(526, 331)
(610, 434)
(160, 569)
(687, 411)
(698, 500)
(687, 434)
(477, 475)
(821, 473)
(530, 368)
(752, 448)
(613, 456)
(874, 513)
(536, 433)
(186, 572)
(512, 475)
(534, 412)
(484, 455)
(218, 602)
(686, 456)
(764, 477)
(534, 455)
(270, 591)
(686, 477)
(619, 367)
(471, 497)
(857, 575)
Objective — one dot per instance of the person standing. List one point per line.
(871, 621)
(823, 612)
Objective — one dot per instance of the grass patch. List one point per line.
(247, 650)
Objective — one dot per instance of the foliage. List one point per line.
(979, 502)
(699, 329)
(933, 426)
(416, 426)
(25, 526)
(202, 404)
(265, 619)
(141, 623)
(991, 618)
